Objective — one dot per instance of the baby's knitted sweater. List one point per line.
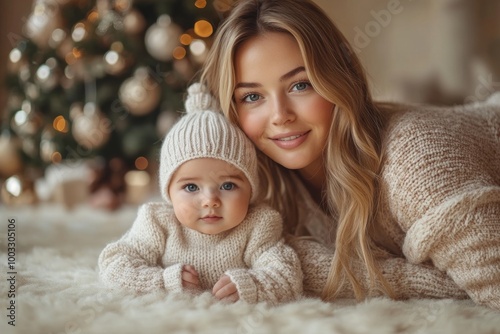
(439, 205)
(151, 254)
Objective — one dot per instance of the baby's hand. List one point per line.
(190, 278)
(225, 289)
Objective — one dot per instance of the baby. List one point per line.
(210, 233)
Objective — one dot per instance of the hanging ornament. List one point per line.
(44, 19)
(91, 129)
(26, 121)
(165, 121)
(17, 190)
(122, 6)
(140, 93)
(162, 37)
(10, 148)
(133, 22)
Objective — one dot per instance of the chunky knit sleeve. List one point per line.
(134, 261)
(274, 273)
(407, 280)
(442, 181)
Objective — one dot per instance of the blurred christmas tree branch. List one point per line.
(100, 80)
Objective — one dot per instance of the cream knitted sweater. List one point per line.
(439, 206)
(151, 254)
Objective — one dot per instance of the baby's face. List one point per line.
(209, 195)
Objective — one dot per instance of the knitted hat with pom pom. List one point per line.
(203, 132)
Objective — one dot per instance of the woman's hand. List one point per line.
(225, 290)
(190, 279)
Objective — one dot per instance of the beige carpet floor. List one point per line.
(57, 291)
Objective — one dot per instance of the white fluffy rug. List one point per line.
(57, 291)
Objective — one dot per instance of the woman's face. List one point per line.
(278, 108)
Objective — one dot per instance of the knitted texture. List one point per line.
(439, 204)
(407, 280)
(205, 133)
(151, 254)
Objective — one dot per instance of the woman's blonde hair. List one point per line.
(352, 154)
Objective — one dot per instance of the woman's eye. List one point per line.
(191, 187)
(251, 98)
(228, 186)
(300, 86)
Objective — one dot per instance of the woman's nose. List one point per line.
(281, 111)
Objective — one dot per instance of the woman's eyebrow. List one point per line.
(292, 73)
(282, 78)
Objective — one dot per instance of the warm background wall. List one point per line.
(443, 51)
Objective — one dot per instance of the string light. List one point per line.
(200, 3)
(179, 53)
(60, 124)
(203, 28)
(70, 58)
(141, 163)
(185, 39)
(15, 55)
(93, 16)
(56, 157)
(79, 32)
(198, 47)
(77, 53)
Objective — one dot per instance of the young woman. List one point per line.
(407, 196)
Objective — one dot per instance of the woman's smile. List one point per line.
(277, 106)
(290, 140)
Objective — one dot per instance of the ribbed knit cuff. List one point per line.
(247, 289)
(172, 277)
(419, 281)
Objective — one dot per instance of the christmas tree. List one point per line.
(101, 78)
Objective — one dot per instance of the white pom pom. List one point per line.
(198, 99)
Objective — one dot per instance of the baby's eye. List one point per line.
(191, 187)
(228, 186)
(251, 98)
(301, 86)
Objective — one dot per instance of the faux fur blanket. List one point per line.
(50, 285)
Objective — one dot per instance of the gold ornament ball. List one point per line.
(133, 22)
(17, 190)
(91, 129)
(165, 122)
(140, 94)
(162, 38)
(9, 156)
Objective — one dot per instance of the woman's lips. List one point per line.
(290, 140)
